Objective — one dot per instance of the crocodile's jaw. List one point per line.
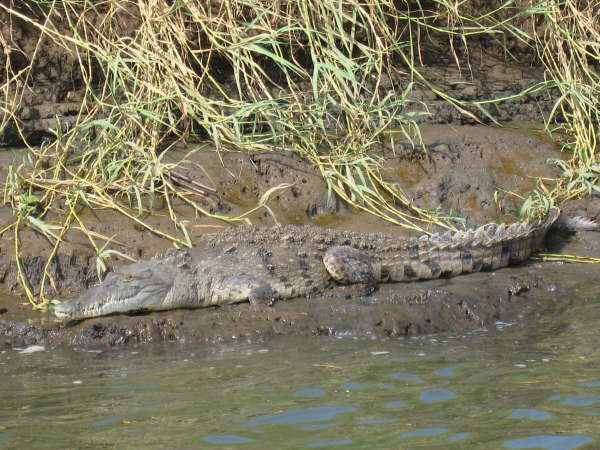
(121, 292)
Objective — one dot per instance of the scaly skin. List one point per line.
(291, 261)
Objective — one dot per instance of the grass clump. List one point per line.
(328, 80)
(569, 46)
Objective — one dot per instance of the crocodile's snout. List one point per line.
(134, 288)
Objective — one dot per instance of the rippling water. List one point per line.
(512, 387)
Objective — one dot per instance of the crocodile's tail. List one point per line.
(488, 247)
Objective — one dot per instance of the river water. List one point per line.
(513, 386)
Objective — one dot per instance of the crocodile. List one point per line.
(261, 265)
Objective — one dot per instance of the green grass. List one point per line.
(326, 79)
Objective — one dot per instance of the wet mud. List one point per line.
(460, 169)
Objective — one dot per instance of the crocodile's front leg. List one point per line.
(240, 288)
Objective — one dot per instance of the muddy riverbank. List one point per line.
(467, 302)
(460, 170)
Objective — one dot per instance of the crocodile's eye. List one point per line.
(144, 274)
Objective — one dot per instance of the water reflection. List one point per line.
(227, 439)
(590, 384)
(437, 395)
(309, 392)
(301, 416)
(581, 401)
(333, 443)
(352, 386)
(318, 426)
(408, 377)
(447, 371)
(550, 442)
(395, 404)
(458, 437)
(531, 414)
(424, 432)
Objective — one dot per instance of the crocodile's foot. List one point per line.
(352, 290)
(261, 296)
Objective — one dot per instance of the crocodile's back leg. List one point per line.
(348, 265)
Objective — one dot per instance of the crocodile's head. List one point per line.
(136, 287)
